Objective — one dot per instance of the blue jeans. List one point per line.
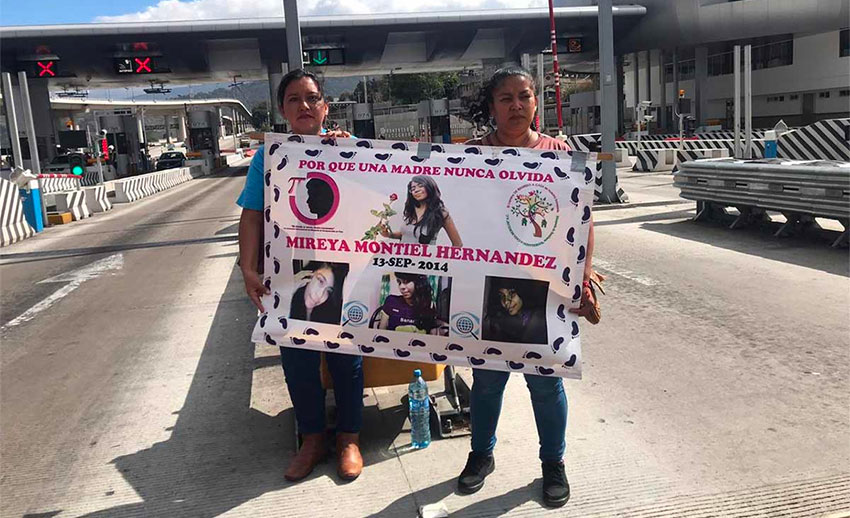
(547, 399)
(301, 368)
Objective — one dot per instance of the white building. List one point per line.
(800, 54)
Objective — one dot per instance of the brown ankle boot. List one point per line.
(312, 452)
(348, 455)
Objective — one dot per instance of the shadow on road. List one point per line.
(221, 452)
(810, 249)
(408, 505)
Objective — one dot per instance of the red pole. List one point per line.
(555, 66)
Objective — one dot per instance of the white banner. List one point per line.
(465, 255)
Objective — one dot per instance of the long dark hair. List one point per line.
(295, 75)
(422, 294)
(527, 290)
(433, 218)
(340, 271)
(479, 110)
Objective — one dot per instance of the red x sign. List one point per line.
(45, 69)
(143, 65)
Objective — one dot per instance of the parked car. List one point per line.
(170, 159)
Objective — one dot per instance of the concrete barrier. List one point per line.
(138, 187)
(73, 202)
(51, 183)
(195, 171)
(13, 225)
(205, 165)
(621, 156)
(96, 199)
(232, 159)
(687, 155)
(649, 160)
(129, 190)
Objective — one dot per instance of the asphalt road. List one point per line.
(717, 383)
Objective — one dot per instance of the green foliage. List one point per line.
(260, 116)
(408, 88)
(383, 220)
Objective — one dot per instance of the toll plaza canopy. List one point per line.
(104, 55)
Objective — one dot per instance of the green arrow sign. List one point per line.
(319, 58)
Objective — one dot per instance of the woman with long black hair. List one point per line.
(302, 103)
(516, 312)
(507, 105)
(413, 310)
(424, 215)
(320, 297)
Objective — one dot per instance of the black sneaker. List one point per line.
(478, 466)
(556, 489)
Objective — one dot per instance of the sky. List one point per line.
(42, 12)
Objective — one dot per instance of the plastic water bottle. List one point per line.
(420, 409)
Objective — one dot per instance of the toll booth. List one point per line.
(122, 132)
(434, 122)
(204, 134)
(364, 121)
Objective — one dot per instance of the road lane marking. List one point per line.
(74, 279)
(628, 274)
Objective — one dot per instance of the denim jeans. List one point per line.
(547, 399)
(301, 368)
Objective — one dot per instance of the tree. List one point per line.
(377, 90)
(408, 88)
(260, 116)
(531, 206)
(412, 88)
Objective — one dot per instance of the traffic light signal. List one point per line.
(681, 94)
(45, 68)
(77, 165)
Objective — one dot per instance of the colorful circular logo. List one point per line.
(532, 214)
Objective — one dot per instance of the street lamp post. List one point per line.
(554, 38)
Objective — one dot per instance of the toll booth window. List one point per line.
(119, 140)
(201, 138)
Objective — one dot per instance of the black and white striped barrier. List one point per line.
(52, 183)
(96, 198)
(686, 155)
(138, 187)
(586, 143)
(824, 140)
(13, 225)
(649, 160)
(73, 202)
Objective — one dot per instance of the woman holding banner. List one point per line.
(424, 215)
(302, 103)
(508, 103)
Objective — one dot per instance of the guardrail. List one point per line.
(137, 187)
(800, 190)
